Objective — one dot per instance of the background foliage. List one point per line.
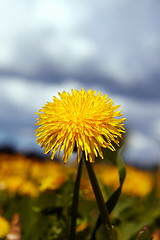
(41, 193)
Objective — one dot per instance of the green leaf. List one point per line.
(112, 201)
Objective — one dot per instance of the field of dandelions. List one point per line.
(44, 199)
(40, 193)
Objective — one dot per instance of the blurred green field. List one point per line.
(36, 197)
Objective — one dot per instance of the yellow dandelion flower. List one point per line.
(108, 174)
(52, 182)
(85, 119)
(28, 188)
(53, 177)
(137, 182)
(13, 183)
(4, 227)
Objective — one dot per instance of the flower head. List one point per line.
(85, 119)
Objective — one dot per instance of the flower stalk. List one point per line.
(100, 201)
(72, 234)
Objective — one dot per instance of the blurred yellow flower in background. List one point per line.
(137, 182)
(4, 227)
(156, 235)
(36, 170)
(28, 188)
(52, 182)
(86, 189)
(13, 183)
(108, 174)
(53, 177)
(24, 176)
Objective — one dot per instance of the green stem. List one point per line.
(100, 201)
(72, 235)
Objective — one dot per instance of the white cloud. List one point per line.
(156, 129)
(60, 15)
(118, 38)
(69, 52)
(141, 149)
(21, 93)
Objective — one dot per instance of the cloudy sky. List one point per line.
(48, 46)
